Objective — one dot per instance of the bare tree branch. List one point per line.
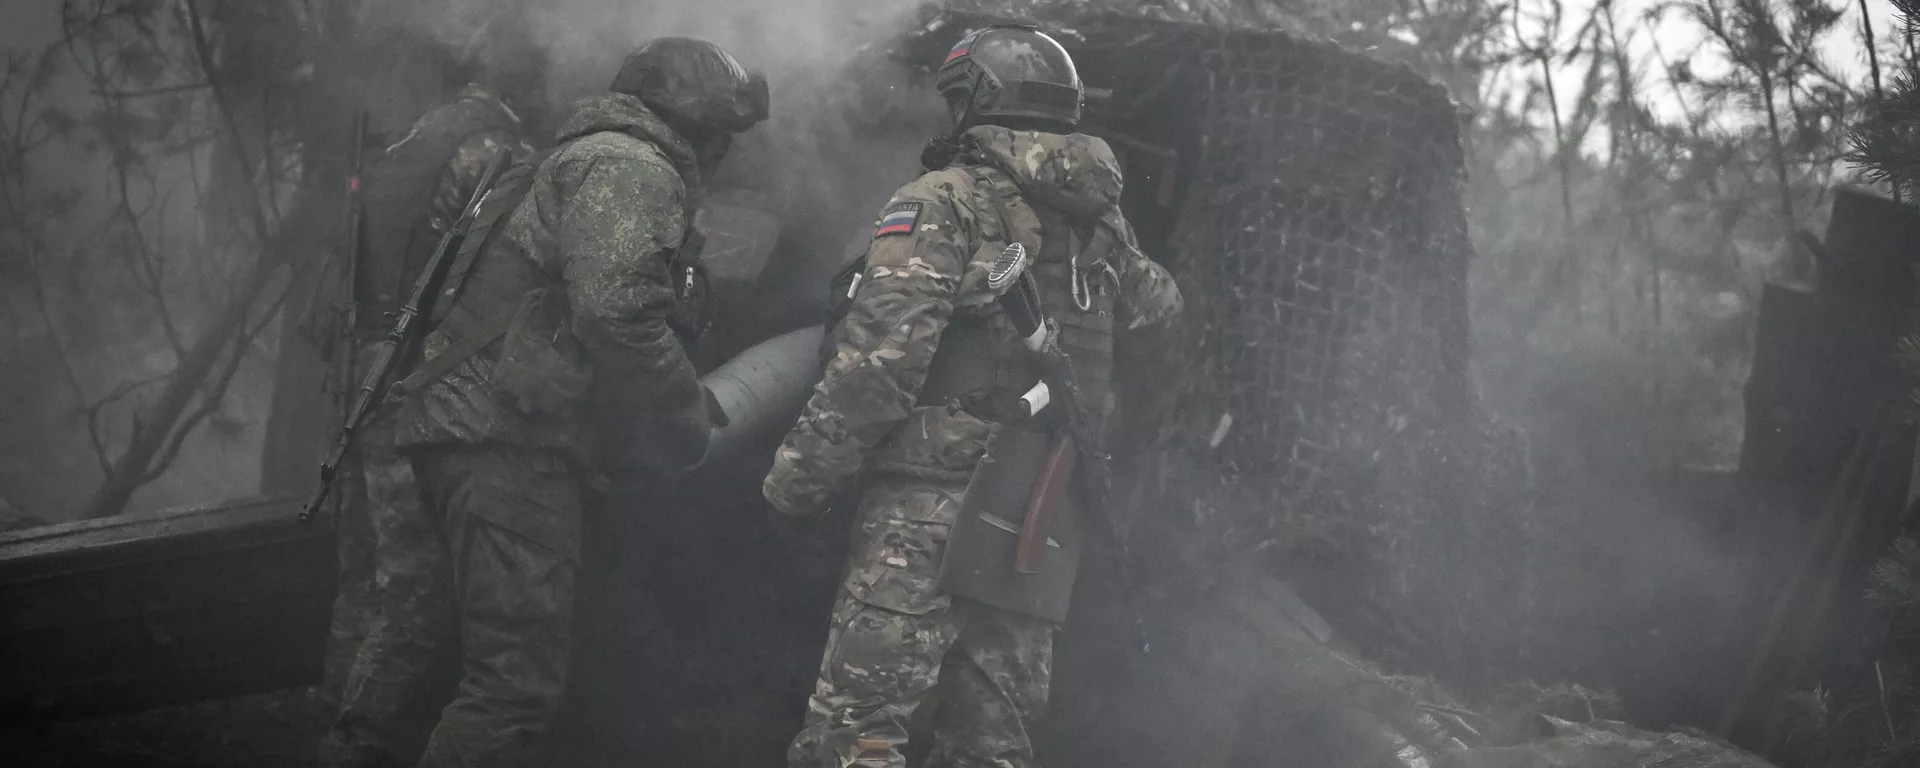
(200, 375)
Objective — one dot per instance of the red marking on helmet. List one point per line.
(353, 183)
(958, 51)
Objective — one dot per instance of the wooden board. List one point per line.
(140, 611)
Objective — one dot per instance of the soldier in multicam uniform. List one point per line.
(924, 369)
(391, 615)
(559, 357)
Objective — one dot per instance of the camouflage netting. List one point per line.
(1328, 420)
(1252, 14)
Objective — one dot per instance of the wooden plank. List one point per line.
(126, 613)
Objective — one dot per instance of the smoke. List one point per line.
(839, 138)
(1612, 547)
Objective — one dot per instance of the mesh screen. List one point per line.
(1325, 207)
(1323, 250)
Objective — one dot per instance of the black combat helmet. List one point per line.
(1014, 76)
(694, 85)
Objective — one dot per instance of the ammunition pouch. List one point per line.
(540, 364)
(981, 561)
(840, 293)
(980, 366)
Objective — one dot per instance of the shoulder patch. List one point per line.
(899, 219)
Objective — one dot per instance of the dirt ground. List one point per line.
(273, 730)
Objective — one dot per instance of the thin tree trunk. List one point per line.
(1762, 63)
(1658, 277)
(1873, 66)
(1621, 146)
(1779, 154)
(1568, 276)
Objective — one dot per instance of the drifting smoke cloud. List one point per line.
(823, 158)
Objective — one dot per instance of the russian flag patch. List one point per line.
(960, 49)
(898, 220)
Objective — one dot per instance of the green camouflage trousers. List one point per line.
(513, 524)
(356, 602)
(356, 605)
(384, 705)
(897, 641)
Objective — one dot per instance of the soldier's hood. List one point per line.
(621, 113)
(1076, 173)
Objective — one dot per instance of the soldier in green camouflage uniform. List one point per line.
(391, 618)
(896, 637)
(412, 72)
(585, 374)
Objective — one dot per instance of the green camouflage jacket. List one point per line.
(921, 269)
(503, 131)
(596, 228)
(416, 188)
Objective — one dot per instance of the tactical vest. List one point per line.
(400, 187)
(465, 303)
(980, 362)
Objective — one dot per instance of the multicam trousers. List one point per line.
(356, 604)
(897, 641)
(513, 525)
(384, 701)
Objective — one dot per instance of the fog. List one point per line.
(1615, 576)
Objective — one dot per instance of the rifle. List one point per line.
(354, 232)
(1040, 336)
(352, 254)
(402, 343)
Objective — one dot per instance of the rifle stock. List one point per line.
(1049, 493)
(1041, 337)
(402, 343)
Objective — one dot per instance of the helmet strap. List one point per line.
(941, 150)
(965, 117)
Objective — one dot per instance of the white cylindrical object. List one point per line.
(1034, 341)
(763, 389)
(1037, 398)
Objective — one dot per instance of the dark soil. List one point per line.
(272, 730)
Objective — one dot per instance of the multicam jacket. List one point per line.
(604, 213)
(926, 261)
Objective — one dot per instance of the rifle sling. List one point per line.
(437, 367)
(511, 187)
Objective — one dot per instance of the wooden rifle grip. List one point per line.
(1049, 492)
